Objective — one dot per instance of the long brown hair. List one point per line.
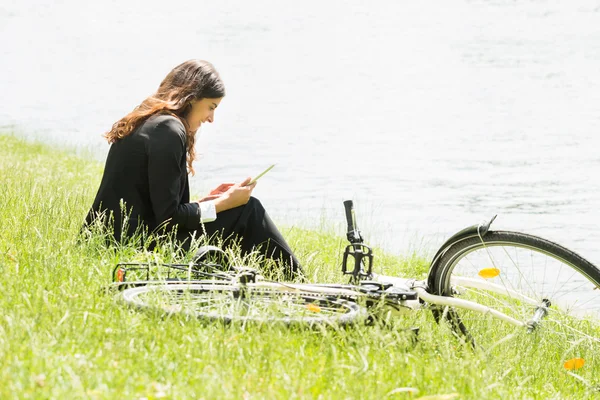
(191, 80)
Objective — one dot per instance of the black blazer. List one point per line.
(145, 177)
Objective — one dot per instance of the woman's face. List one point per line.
(202, 111)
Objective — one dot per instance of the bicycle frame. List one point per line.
(355, 292)
(421, 288)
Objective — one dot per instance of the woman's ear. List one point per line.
(188, 108)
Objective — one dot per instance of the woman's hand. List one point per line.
(222, 188)
(236, 195)
(217, 192)
(209, 197)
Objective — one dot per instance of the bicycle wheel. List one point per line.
(251, 303)
(517, 274)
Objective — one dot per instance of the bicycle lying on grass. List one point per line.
(477, 279)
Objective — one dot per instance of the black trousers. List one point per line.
(250, 227)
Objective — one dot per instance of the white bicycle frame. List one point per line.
(419, 287)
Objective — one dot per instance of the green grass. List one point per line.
(62, 336)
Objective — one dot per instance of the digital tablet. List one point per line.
(260, 175)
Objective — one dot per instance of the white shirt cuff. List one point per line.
(208, 212)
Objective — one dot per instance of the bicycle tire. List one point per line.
(551, 272)
(251, 303)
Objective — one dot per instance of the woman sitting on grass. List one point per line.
(145, 187)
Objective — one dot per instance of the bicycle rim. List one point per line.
(527, 273)
(231, 303)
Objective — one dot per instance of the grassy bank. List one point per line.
(62, 337)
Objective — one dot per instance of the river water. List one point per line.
(431, 115)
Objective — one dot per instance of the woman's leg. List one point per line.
(251, 227)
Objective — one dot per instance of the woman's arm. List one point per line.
(166, 147)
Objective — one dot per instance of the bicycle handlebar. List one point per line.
(353, 233)
(349, 206)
